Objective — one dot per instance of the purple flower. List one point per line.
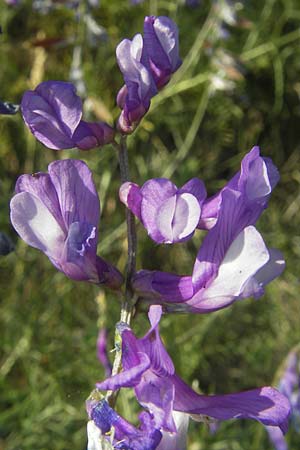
(58, 213)
(134, 97)
(233, 261)
(256, 180)
(146, 64)
(53, 114)
(161, 49)
(288, 386)
(169, 214)
(102, 351)
(126, 436)
(148, 369)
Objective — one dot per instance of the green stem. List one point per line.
(128, 299)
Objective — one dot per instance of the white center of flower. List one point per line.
(178, 217)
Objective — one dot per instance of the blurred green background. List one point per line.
(239, 86)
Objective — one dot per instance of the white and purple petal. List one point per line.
(177, 440)
(36, 225)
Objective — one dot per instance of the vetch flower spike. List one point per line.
(58, 213)
(53, 113)
(148, 369)
(169, 214)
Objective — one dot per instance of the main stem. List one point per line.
(128, 300)
(128, 303)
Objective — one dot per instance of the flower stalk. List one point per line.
(128, 299)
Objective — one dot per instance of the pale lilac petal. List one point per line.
(245, 256)
(272, 269)
(186, 217)
(154, 193)
(95, 439)
(232, 219)
(277, 438)
(265, 404)
(40, 185)
(164, 220)
(177, 440)
(177, 218)
(36, 225)
(154, 315)
(76, 192)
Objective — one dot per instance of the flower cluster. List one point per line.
(147, 64)
(58, 213)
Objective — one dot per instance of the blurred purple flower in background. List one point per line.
(233, 261)
(148, 369)
(53, 114)
(58, 213)
(8, 108)
(169, 214)
(13, 2)
(146, 64)
(102, 353)
(289, 385)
